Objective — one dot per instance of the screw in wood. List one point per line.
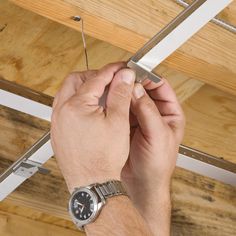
(78, 18)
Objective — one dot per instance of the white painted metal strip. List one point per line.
(9, 184)
(149, 61)
(12, 181)
(25, 105)
(206, 169)
(182, 33)
(43, 153)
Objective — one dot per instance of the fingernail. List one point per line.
(138, 91)
(128, 76)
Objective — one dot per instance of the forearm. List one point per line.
(158, 215)
(118, 217)
(160, 222)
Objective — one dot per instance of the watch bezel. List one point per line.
(97, 205)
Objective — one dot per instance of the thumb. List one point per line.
(120, 93)
(144, 108)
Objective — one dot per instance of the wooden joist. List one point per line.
(11, 208)
(42, 56)
(211, 122)
(200, 205)
(16, 221)
(209, 56)
(38, 54)
(227, 15)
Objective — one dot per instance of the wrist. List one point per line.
(112, 221)
(149, 198)
(159, 219)
(159, 197)
(157, 213)
(80, 180)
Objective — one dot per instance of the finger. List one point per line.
(133, 124)
(93, 89)
(133, 120)
(150, 85)
(169, 107)
(120, 93)
(166, 100)
(147, 114)
(164, 92)
(71, 85)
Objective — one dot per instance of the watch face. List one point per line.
(83, 205)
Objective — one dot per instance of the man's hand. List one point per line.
(157, 127)
(91, 142)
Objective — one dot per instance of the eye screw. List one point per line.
(76, 18)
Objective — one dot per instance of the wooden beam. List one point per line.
(211, 122)
(42, 56)
(9, 207)
(228, 14)
(200, 205)
(40, 61)
(184, 86)
(209, 56)
(15, 225)
(42, 53)
(193, 195)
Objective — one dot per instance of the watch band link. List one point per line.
(111, 188)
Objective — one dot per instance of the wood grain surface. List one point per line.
(12, 224)
(39, 53)
(44, 55)
(209, 56)
(228, 15)
(211, 122)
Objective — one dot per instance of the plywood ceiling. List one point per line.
(39, 53)
(210, 56)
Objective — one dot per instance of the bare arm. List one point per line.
(91, 142)
(119, 217)
(157, 127)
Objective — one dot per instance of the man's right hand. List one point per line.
(157, 128)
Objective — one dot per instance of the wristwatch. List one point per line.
(86, 203)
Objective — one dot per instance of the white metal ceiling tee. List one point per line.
(185, 25)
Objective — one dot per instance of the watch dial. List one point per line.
(82, 205)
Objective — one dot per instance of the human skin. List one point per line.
(157, 127)
(92, 144)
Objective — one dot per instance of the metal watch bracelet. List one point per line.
(111, 188)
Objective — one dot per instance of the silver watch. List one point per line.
(86, 203)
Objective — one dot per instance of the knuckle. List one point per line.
(110, 66)
(121, 116)
(148, 104)
(69, 77)
(181, 121)
(72, 105)
(73, 76)
(54, 117)
(83, 100)
(69, 107)
(122, 92)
